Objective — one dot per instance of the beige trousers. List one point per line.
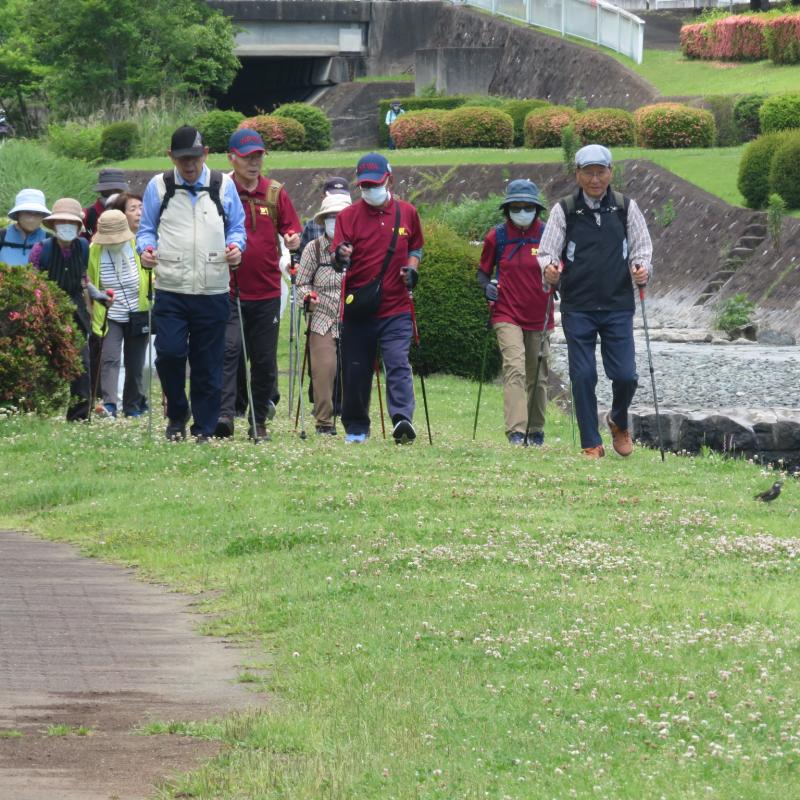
(523, 404)
(323, 374)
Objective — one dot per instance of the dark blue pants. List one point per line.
(615, 329)
(191, 326)
(359, 346)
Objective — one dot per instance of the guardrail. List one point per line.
(595, 20)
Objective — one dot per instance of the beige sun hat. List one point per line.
(112, 228)
(332, 204)
(66, 209)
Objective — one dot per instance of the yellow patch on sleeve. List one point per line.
(534, 251)
(402, 232)
(264, 211)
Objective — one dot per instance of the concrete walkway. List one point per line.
(83, 643)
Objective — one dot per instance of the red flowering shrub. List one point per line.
(608, 126)
(543, 126)
(674, 125)
(418, 129)
(278, 133)
(39, 341)
(782, 35)
(694, 40)
(477, 126)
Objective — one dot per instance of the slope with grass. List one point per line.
(463, 620)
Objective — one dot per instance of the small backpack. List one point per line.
(213, 189)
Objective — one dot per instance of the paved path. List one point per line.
(84, 643)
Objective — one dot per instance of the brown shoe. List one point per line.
(594, 452)
(621, 439)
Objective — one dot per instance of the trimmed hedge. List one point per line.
(414, 104)
(216, 128)
(518, 110)
(666, 125)
(278, 133)
(784, 171)
(477, 127)
(72, 140)
(745, 115)
(419, 129)
(451, 309)
(543, 126)
(780, 112)
(607, 126)
(118, 140)
(754, 168)
(782, 37)
(314, 120)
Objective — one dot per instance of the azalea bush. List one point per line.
(278, 133)
(607, 126)
(477, 127)
(674, 125)
(543, 126)
(418, 129)
(39, 341)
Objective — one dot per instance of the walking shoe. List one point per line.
(536, 439)
(621, 439)
(134, 413)
(326, 430)
(270, 410)
(517, 439)
(403, 431)
(224, 428)
(262, 434)
(594, 452)
(355, 438)
(202, 438)
(176, 429)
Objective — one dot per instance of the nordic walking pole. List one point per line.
(293, 349)
(95, 384)
(415, 332)
(652, 372)
(150, 354)
(550, 295)
(301, 411)
(483, 365)
(380, 396)
(339, 326)
(235, 275)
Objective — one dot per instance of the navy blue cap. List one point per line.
(372, 168)
(246, 141)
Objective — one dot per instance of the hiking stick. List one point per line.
(483, 366)
(339, 326)
(380, 396)
(415, 333)
(234, 273)
(150, 354)
(94, 385)
(293, 356)
(652, 372)
(301, 411)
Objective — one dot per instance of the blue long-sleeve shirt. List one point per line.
(147, 236)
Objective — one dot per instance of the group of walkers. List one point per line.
(197, 261)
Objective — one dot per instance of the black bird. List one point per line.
(771, 493)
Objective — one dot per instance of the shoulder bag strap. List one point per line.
(393, 245)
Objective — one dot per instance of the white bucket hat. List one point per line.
(29, 200)
(332, 204)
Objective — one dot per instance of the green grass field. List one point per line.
(465, 620)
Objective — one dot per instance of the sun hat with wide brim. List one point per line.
(30, 200)
(111, 180)
(332, 204)
(523, 191)
(112, 228)
(66, 209)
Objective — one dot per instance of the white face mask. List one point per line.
(66, 231)
(375, 195)
(522, 219)
(330, 226)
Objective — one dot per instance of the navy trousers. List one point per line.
(359, 347)
(191, 326)
(615, 329)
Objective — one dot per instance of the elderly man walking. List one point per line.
(595, 241)
(192, 233)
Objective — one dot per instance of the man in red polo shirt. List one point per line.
(364, 234)
(269, 213)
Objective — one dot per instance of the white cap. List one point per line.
(593, 154)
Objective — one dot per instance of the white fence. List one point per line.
(595, 20)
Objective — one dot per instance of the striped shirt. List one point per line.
(118, 271)
(316, 274)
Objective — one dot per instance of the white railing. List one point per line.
(595, 20)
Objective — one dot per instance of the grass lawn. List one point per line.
(457, 621)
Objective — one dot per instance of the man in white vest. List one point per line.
(192, 233)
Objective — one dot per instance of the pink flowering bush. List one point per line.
(418, 129)
(477, 126)
(782, 36)
(278, 133)
(674, 125)
(543, 126)
(39, 342)
(608, 126)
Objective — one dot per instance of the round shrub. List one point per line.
(784, 171)
(780, 112)
(745, 115)
(754, 169)
(72, 140)
(314, 120)
(518, 110)
(39, 341)
(674, 125)
(477, 127)
(451, 309)
(608, 126)
(418, 129)
(543, 126)
(472, 217)
(278, 133)
(216, 127)
(118, 140)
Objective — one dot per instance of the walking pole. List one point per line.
(483, 365)
(652, 372)
(415, 332)
(293, 350)
(94, 385)
(572, 412)
(339, 325)
(150, 353)
(550, 295)
(380, 396)
(301, 411)
(234, 273)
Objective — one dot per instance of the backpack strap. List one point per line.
(3, 236)
(214, 192)
(47, 252)
(501, 240)
(169, 192)
(621, 205)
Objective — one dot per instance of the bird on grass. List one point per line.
(770, 494)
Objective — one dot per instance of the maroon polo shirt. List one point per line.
(99, 207)
(259, 274)
(369, 230)
(521, 299)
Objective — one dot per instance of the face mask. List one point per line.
(375, 195)
(330, 226)
(66, 231)
(522, 219)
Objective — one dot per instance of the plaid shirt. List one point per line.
(316, 274)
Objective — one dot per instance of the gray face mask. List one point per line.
(330, 226)
(522, 219)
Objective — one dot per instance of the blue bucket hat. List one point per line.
(523, 191)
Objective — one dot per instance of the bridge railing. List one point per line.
(594, 20)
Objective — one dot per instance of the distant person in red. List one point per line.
(110, 182)
(511, 278)
(378, 235)
(269, 215)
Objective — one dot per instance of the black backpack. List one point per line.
(213, 189)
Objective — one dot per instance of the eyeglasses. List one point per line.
(594, 174)
(518, 207)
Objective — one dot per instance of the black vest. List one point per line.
(596, 276)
